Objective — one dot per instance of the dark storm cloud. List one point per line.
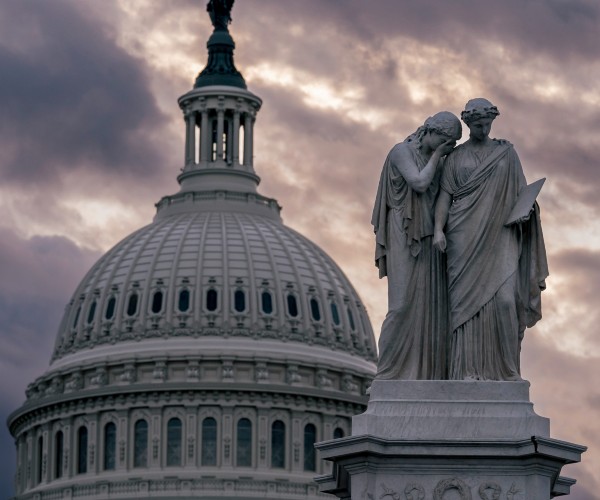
(70, 98)
(37, 277)
(556, 28)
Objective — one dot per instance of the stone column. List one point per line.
(191, 450)
(154, 444)
(229, 142)
(227, 441)
(19, 474)
(42, 465)
(297, 442)
(204, 137)
(248, 140)
(263, 436)
(93, 446)
(236, 138)
(68, 440)
(29, 463)
(190, 137)
(122, 440)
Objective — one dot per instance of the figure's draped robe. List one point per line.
(412, 344)
(495, 273)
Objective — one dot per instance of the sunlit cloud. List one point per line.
(320, 93)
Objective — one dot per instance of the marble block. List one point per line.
(431, 409)
(448, 440)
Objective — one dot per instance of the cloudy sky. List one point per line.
(91, 137)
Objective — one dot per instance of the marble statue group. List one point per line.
(465, 274)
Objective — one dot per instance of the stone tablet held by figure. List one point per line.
(496, 272)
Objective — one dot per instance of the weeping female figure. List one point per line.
(413, 340)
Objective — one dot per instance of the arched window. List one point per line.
(292, 305)
(335, 314)
(110, 308)
(209, 441)
(310, 438)
(244, 443)
(315, 310)
(184, 300)
(40, 458)
(157, 302)
(278, 444)
(351, 319)
(174, 447)
(110, 446)
(338, 433)
(140, 444)
(82, 449)
(211, 300)
(266, 302)
(132, 304)
(76, 318)
(91, 312)
(59, 452)
(239, 301)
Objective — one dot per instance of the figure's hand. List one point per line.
(526, 218)
(446, 147)
(439, 241)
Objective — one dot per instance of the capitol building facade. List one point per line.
(206, 353)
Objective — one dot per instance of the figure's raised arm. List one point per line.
(419, 180)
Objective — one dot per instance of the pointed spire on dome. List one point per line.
(220, 68)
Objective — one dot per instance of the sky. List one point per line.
(91, 137)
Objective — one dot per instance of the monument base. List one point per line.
(448, 440)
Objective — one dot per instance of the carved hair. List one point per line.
(444, 123)
(477, 109)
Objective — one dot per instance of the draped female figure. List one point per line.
(496, 271)
(413, 339)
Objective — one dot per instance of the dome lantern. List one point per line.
(219, 114)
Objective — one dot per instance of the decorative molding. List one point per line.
(414, 491)
(452, 484)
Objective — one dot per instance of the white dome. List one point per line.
(203, 273)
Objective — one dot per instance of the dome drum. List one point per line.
(108, 401)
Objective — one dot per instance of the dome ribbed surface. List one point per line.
(209, 273)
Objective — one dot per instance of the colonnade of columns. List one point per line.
(219, 137)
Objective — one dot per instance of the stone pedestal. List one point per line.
(448, 440)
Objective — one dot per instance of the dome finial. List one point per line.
(220, 68)
(220, 13)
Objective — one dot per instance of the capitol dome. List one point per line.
(204, 272)
(206, 353)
